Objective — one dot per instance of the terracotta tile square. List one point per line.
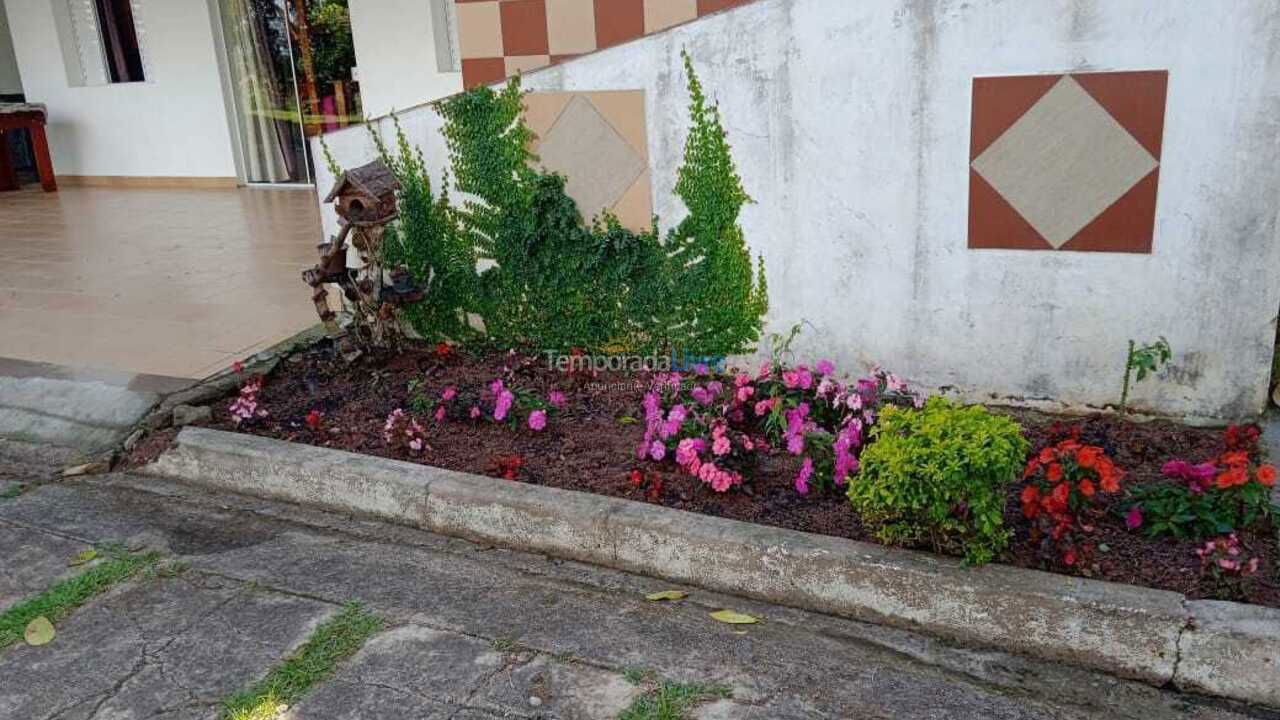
(1066, 162)
(524, 27)
(618, 21)
(479, 30)
(525, 63)
(710, 6)
(571, 26)
(662, 14)
(482, 71)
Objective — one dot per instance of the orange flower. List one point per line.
(1054, 473)
(1235, 458)
(1047, 456)
(1109, 478)
(1266, 475)
(1030, 501)
(1086, 487)
(1232, 478)
(1089, 456)
(1068, 446)
(1060, 495)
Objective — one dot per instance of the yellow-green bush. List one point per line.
(938, 476)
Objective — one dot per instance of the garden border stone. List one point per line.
(1226, 649)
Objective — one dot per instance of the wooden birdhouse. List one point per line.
(366, 195)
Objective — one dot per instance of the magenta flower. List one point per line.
(556, 398)
(537, 419)
(802, 478)
(475, 412)
(721, 446)
(449, 393)
(657, 451)
(700, 394)
(496, 386)
(440, 413)
(825, 367)
(500, 409)
(1133, 519)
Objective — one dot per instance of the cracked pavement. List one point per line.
(473, 632)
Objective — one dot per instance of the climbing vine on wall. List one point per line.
(553, 282)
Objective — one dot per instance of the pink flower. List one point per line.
(1133, 519)
(677, 414)
(496, 386)
(825, 367)
(741, 380)
(791, 379)
(745, 393)
(721, 446)
(687, 450)
(765, 406)
(475, 412)
(802, 478)
(440, 413)
(556, 398)
(657, 451)
(795, 444)
(537, 419)
(505, 398)
(700, 394)
(854, 401)
(449, 393)
(416, 444)
(766, 369)
(895, 383)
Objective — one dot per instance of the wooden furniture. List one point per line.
(30, 117)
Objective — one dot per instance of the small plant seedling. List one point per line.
(1144, 360)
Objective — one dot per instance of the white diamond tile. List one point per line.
(1064, 162)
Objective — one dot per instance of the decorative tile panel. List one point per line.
(598, 141)
(499, 38)
(1066, 162)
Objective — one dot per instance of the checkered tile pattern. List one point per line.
(499, 38)
(1066, 162)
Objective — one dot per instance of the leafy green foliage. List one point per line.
(58, 601)
(426, 240)
(938, 475)
(718, 299)
(1145, 360)
(554, 282)
(336, 639)
(1175, 511)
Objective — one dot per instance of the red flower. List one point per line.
(1031, 501)
(1108, 476)
(1058, 498)
(1086, 487)
(1047, 456)
(315, 419)
(1267, 475)
(1032, 466)
(443, 350)
(1069, 557)
(1089, 457)
(637, 478)
(1234, 459)
(1054, 473)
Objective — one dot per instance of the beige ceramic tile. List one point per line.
(525, 63)
(624, 109)
(154, 281)
(479, 30)
(635, 209)
(571, 26)
(662, 14)
(541, 110)
(599, 166)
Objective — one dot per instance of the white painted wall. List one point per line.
(10, 80)
(850, 125)
(396, 56)
(174, 124)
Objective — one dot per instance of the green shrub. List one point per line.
(938, 475)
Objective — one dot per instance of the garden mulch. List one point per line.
(590, 446)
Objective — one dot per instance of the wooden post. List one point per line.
(44, 163)
(340, 96)
(8, 175)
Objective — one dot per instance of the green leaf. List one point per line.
(83, 558)
(666, 595)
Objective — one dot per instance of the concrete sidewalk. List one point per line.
(472, 632)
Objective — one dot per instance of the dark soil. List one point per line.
(590, 446)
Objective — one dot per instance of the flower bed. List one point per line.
(776, 464)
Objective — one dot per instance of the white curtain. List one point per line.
(257, 95)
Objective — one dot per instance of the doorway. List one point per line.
(289, 67)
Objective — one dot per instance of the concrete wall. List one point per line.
(850, 126)
(10, 80)
(174, 124)
(395, 51)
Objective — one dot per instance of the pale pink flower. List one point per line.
(556, 398)
(721, 446)
(537, 419)
(449, 394)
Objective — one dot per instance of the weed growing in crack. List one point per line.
(671, 701)
(504, 644)
(335, 640)
(62, 598)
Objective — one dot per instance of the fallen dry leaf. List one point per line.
(667, 595)
(39, 631)
(83, 557)
(734, 618)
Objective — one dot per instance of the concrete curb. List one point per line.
(1225, 649)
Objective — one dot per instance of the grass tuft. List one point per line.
(336, 639)
(670, 701)
(12, 491)
(62, 598)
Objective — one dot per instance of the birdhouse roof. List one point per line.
(373, 180)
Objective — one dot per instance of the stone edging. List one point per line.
(1218, 648)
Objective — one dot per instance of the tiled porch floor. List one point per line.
(178, 283)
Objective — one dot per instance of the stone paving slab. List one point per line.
(795, 664)
(31, 562)
(89, 416)
(162, 647)
(559, 688)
